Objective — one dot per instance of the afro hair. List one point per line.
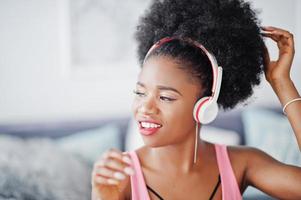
(227, 28)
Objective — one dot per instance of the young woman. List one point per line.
(178, 90)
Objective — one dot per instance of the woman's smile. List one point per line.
(148, 127)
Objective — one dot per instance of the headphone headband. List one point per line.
(217, 70)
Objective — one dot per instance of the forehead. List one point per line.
(162, 70)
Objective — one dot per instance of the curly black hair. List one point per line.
(229, 29)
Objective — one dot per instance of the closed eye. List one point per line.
(163, 98)
(140, 94)
(166, 98)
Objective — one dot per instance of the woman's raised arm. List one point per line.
(277, 74)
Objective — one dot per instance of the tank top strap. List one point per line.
(230, 189)
(138, 186)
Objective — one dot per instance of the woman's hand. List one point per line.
(280, 69)
(277, 74)
(110, 175)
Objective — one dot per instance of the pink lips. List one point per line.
(148, 131)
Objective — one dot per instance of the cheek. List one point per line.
(180, 125)
(180, 116)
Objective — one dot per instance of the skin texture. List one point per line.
(173, 144)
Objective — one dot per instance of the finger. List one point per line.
(116, 165)
(122, 157)
(263, 32)
(111, 152)
(99, 179)
(267, 28)
(284, 42)
(114, 153)
(109, 173)
(283, 34)
(119, 166)
(285, 39)
(126, 158)
(276, 31)
(276, 38)
(272, 29)
(105, 181)
(280, 34)
(98, 164)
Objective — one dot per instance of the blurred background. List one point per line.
(75, 59)
(67, 72)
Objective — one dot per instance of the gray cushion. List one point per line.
(36, 169)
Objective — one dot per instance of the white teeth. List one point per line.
(149, 125)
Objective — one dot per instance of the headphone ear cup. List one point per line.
(197, 110)
(205, 111)
(210, 112)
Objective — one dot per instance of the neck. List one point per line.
(179, 157)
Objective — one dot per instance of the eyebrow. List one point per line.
(162, 87)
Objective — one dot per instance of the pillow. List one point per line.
(219, 135)
(215, 135)
(272, 133)
(36, 169)
(90, 144)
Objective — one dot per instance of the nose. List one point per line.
(148, 106)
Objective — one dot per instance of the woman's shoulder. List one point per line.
(244, 158)
(251, 158)
(238, 151)
(245, 153)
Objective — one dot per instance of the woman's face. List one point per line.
(164, 101)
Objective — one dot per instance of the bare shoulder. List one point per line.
(262, 171)
(246, 159)
(240, 150)
(248, 155)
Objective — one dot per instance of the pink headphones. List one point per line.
(206, 109)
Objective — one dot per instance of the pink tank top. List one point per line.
(230, 189)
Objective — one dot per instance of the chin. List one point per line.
(151, 144)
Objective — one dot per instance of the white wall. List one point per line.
(37, 82)
(286, 15)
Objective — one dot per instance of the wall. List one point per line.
(284, 14)
(37, 81)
